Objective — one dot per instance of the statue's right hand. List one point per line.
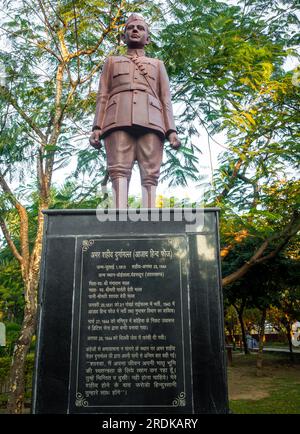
(95, 139)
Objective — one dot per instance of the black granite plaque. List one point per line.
(130, 340)
(130, 315)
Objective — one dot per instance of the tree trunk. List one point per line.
(245, 344)
(233, 339)
(289, 336)
(259, 359)
(17, 383)
(241, 320)
(30, 273)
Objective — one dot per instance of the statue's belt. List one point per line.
(129, 88)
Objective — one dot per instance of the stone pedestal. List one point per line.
(131, 315)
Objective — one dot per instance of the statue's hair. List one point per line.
(134, 17)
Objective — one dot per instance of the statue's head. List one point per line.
(136, 34)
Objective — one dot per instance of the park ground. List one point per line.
(276, 391)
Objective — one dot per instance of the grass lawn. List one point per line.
(277, 391)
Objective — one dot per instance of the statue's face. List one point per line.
(136, 34)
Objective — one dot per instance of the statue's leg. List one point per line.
(120, 193)
(120, 153)
(149, 154)
(148, 196)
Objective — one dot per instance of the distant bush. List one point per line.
(4, 368)
(12, 334)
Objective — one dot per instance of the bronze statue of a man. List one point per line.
(134, 115)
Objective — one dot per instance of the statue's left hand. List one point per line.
(174, 140)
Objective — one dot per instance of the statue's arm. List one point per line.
(103, 94)
(102, 97)
(165, 96)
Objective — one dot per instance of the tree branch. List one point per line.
(23, 216)
(5, 187)
(9, 241)
(290, 230)
(4, 120)
(56, 123)
(94, 69)
(55, 11)
(45, 16)
(231, 180)
(92, 50)
(77, 41)
(287, 233)
(37, 44)
(105, 179)
(89, 51)
(5, 93)
(255, 188)
(50, 28)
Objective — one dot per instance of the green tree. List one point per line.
(56, 50)
(270, 287)
(227, 64)
(286, 308)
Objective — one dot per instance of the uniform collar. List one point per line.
(139, 52)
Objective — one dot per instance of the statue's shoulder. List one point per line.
(157, 62)
(152, 61)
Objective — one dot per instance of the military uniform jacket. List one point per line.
(126, 99)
